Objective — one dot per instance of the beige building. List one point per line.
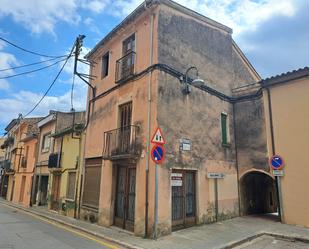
(143, 80)
(287, 121)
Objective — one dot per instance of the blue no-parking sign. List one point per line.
(157, 153)
(276, 162)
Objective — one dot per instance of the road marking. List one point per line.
(64, 227)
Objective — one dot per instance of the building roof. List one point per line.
(285, 77)
(146, 5)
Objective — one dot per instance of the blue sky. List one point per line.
(272, 33)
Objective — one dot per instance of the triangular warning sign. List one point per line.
(157, 137)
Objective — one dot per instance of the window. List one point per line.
(46, 142)
(25, 157)
(128, 45)
(71, 185)
(105, 63)
(224, 129)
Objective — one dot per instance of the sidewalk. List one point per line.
(224, 234)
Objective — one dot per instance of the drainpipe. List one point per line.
(236, 159)
(273, 148)
(149, 124)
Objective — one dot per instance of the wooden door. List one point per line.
(22, 189)
(55, 192)
(184, 200)
(125, 197)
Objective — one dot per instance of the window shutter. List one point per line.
(224, 128)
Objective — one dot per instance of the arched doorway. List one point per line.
(258, 193)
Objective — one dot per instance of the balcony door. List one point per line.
(128, 47)
(125, 197)
(125, 119)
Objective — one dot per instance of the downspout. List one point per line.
(236, 159)
(149, 124)
(77, 185)
(273, 148)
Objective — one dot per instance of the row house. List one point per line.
(41, 162)
(53, 167)
(20, 148)
(146, 73)
(65, 167)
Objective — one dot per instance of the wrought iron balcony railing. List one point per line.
(125, 67)
(53, 160)
(121, 143)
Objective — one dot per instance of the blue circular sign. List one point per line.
(276, 162)
(157, 154)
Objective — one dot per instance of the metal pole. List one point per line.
(216, 198)
(155, 235)
(278, 183)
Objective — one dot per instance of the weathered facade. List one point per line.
(47, 175)
(66, 181)
(18, 171)
(140, 80)
(287, 116)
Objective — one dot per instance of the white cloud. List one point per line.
(96, 6)
(7, 61)
(40, 16)
(23, 101)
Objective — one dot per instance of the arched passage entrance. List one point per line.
(258, 193)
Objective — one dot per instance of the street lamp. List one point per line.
(198, 82)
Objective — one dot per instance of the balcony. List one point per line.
(125, 67)
(122, 143)
(6, 164)
(53, 161)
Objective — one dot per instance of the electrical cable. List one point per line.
(30, 64)
(32, 71)
(29, 51)
(50, 86)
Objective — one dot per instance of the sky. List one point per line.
(273, 34)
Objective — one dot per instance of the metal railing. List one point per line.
(6, 164)
(125, 67)
(121, 143)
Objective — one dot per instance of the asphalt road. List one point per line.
(20, 230)
(268, 242)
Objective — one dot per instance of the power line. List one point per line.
(32, 71)
(53, 82)
(29, 51)
(30, 64)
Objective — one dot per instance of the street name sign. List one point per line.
(215, 175)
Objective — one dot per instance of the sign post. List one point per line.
(157, 156)
(276, 162)
(216, 176)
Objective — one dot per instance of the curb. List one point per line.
(99, 235)
(255, 236)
